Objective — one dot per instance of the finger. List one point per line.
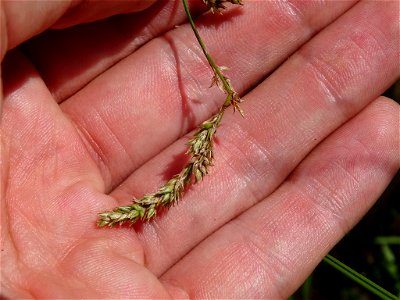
(268, 251)
(320, 87)
(68, 59)
(24, 19)
(89, 11)
(120, 111)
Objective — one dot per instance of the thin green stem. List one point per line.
(360, 279)
(213, 65)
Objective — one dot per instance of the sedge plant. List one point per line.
(201, 153)
(201, 146)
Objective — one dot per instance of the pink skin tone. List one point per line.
(95, 114)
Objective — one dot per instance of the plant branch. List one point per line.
(220, 79)
(201, 151)
(213, 66)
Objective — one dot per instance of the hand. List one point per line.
(96, 114)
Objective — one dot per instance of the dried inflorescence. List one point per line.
(146, 208)
(201, 149)
(218, 5)
(202, 156)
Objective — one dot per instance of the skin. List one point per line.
(95, 114)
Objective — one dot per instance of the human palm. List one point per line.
(96, 114)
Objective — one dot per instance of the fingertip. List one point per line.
(24, 19)
(89, 11)
(21, 20)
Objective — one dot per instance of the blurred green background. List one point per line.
(372, 248)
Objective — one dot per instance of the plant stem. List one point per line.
(211, 62)
(360, 279)
(201, 151)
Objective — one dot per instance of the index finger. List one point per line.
(21, 20)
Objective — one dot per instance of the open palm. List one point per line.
(98, 113)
